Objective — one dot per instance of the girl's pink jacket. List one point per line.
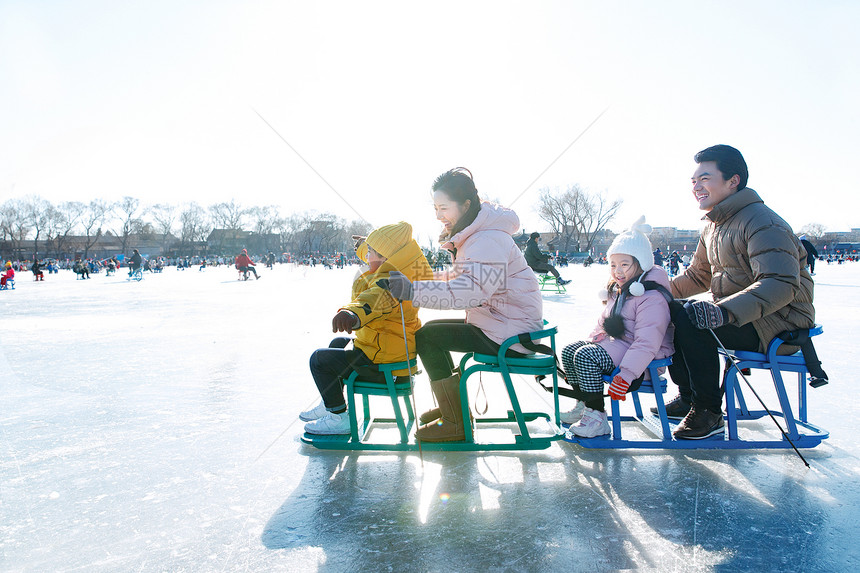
(647, 325)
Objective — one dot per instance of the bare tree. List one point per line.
(814, 231)
(265, 220)
(357, 227)
(14, 224)
(37, 212)
(558, 209)
(193, 225)
(92, 219)
(227, 215)
(576, 215)
(298, 235)
(286, 228)
(599, 211)
(126, 216)
(164, 216)
(313, 232)
(65, 218)
(330, 231)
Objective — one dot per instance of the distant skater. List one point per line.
(134, 262)
(38, 274)
(245, 264)
(811, 253)
(9, 275)
(539, 261)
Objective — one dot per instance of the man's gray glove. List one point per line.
(398, 285)
(704, 314)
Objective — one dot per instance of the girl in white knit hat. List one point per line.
(633, 330)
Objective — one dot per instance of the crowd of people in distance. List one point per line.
(84, 268)
(439, 260)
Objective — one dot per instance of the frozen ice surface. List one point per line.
(153, 426)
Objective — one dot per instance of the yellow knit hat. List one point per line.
(389, 239)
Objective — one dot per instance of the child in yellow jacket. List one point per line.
(375, 316)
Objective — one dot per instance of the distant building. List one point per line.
(839, 242)
(74, 247)
(670, 239)
(227, 241)
(232, 241)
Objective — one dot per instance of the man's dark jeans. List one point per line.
(696, 365)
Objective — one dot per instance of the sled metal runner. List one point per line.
(520, 437)
(735, 436)
(548, 283)
(397, 389)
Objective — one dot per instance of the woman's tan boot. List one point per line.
(434, 413)
(430, 416)
(449, 426)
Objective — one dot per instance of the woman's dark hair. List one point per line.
(459, 186)
(729, 161)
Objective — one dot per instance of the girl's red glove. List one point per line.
(618, 388)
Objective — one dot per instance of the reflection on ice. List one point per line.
(429, 481)
(551, 471)
(732, 477)
(501, 469)
(153, 426)
(489, 497)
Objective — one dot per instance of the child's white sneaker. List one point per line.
(330, 424)
(314, 413)
(573, 416)
(592, 424)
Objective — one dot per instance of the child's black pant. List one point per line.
(329, 367)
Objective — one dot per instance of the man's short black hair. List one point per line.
(535, 235)
(729, 161)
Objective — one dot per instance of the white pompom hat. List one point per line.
(634, 242)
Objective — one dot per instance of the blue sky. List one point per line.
(159, 100)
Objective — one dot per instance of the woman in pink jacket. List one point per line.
(633, 330)
(489, 279)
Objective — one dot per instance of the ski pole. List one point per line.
(735, 365)
(411, 382)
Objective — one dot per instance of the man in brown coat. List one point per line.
(754, 267)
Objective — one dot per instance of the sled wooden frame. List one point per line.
(801, 432)
(548, 283)
(532, 365)
(359, 430)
